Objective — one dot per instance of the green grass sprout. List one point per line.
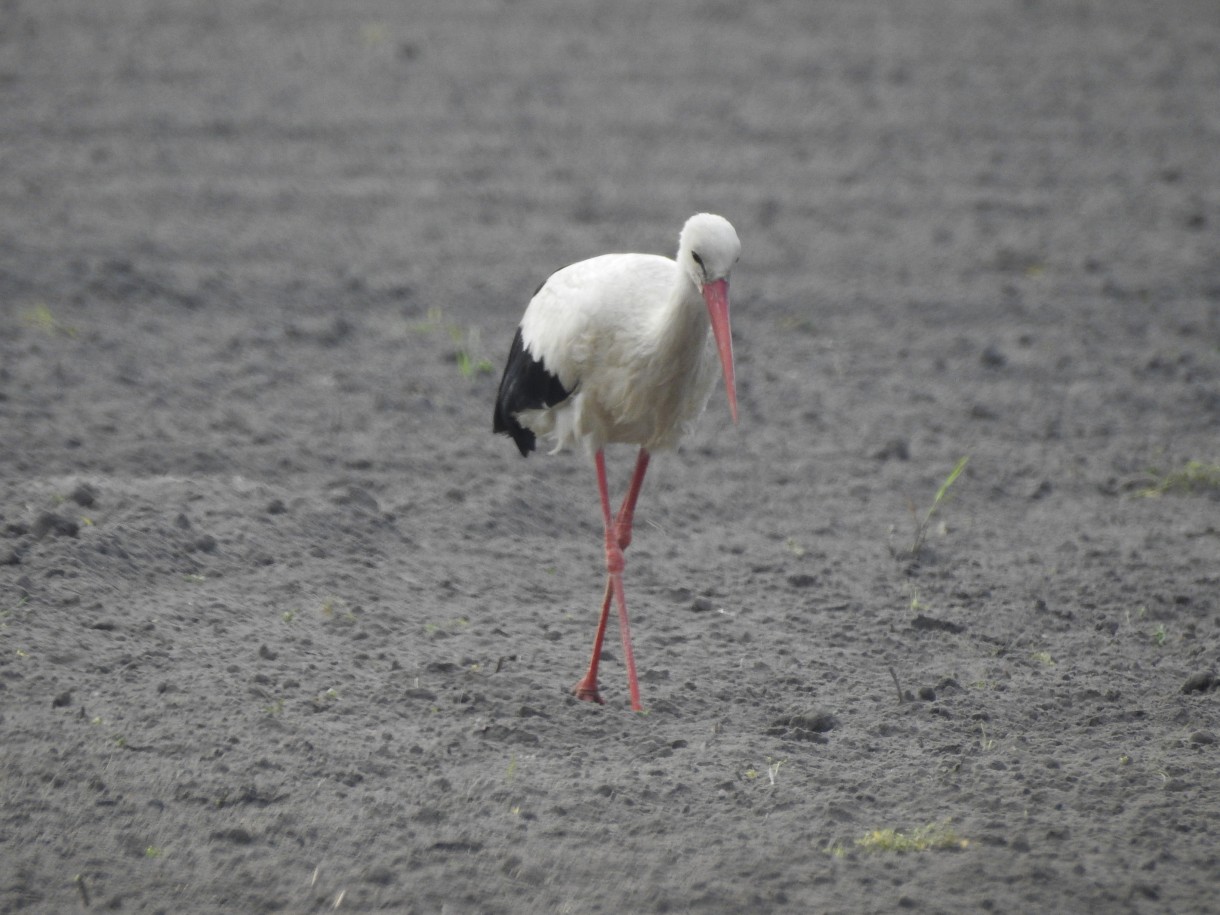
(922, 525)
(41, 318)
(925, 838)
(1194, 477)
(467, 343)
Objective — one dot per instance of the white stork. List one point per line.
(619, 348)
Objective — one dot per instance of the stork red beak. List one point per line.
(716, 295)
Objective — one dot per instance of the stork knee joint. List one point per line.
(614, 559)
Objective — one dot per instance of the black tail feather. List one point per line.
(525, 385)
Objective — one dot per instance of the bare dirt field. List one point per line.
(285, 628)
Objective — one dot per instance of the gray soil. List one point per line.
(283, 627)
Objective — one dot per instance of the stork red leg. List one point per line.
(618, 537)
(633, 685)
(586, 689)
(626, 512)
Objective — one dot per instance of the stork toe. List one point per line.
(587, 692)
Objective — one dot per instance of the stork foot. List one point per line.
(587, 693)
(586, 689)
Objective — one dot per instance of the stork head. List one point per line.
(707, 250)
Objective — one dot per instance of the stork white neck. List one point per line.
(707, 250)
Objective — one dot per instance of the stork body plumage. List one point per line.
(623, 348)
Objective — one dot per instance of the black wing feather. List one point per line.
(526, 385)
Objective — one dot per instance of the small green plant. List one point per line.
(773, 767)
(6, 612)
(81, 888)
(326, 699)
(924, 523)
(375, 33)
(466, 341)
(153, 852)
(470, 366)
(446, 627)
(40, 318)
(1195, 477)
(1160, 634)
(986, 744)
(330, 611)
(796, 323)
(1044, 658)
(925, 838)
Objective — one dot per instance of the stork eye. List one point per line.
(698, 259)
